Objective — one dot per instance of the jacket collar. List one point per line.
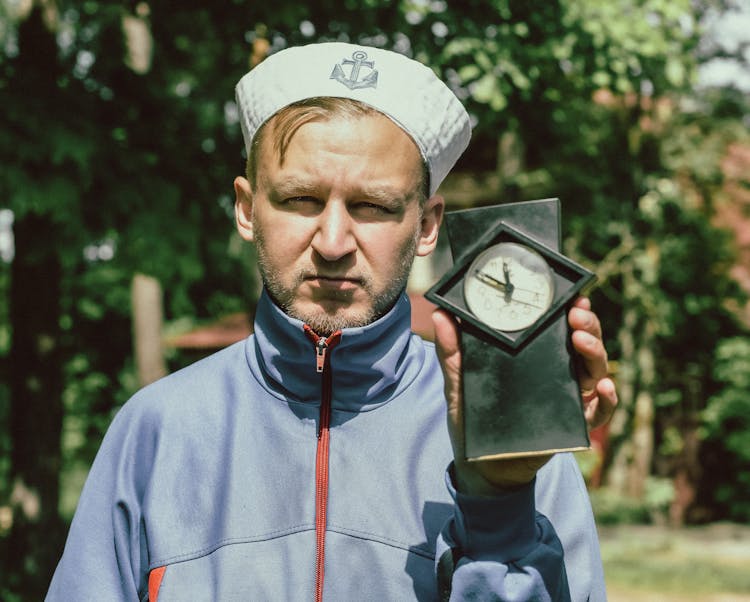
(370, 365)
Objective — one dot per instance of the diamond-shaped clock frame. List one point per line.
(570, 280)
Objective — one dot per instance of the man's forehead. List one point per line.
(282, 127)
(315, 144)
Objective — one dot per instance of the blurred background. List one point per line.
(119, 141)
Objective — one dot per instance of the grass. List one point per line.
(644, 563)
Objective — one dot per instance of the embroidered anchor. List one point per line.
(358, 60)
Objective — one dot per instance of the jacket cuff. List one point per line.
(501, 527)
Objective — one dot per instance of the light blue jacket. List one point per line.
(205, 487)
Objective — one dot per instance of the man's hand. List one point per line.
(475, 478)
(597, 389)
(598, 397)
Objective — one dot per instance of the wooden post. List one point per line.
(146, 307)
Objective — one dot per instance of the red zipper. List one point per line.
(322, 366)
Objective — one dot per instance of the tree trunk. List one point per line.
(35, 541)
(621, 425)
(146, 303)
(633, 426)
(643, 421)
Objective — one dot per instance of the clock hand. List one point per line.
(526, 303)
(506, 288)
(508, 285)
(506, 272)
(490, 280)
(495, 283)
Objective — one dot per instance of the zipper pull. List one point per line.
(322, 344)
(321, 347)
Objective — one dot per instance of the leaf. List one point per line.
(601, 79)
(487, 91)
(468, 73)
(675, 72)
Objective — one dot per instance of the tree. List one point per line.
(35, 297)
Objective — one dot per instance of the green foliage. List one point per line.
(638, 42)
(588, 462)
(613, 508)
(551, 49)
(692, 282)
(726, 423)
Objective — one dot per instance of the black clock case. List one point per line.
(520, 388)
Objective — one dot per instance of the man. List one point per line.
(309, 461)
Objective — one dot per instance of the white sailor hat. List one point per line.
(401, 88)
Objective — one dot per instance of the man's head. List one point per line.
(340, 168)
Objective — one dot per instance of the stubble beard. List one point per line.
(326, 321)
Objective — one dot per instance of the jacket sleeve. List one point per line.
(499, 548)
(105, 556)
(562, 497)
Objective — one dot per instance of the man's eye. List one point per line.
(374, 208)
(302, 204)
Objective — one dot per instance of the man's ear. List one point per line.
(432, 217)
(243, 208)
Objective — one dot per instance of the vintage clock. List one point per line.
(511, 288)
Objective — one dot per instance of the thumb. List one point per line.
(447, 343)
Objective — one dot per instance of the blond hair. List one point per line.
(288, 120)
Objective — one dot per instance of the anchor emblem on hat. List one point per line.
(358, 60)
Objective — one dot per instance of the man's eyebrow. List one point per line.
(379, 195)
(293, 185)
(387, 195)
(288, 185)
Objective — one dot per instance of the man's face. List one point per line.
(338, 224)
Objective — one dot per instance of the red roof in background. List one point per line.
(217, 335)
(236, 327)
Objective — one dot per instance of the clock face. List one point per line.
(509, 286)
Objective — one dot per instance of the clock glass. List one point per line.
(509, 286)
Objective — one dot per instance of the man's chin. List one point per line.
(326, 317)
(326, 314)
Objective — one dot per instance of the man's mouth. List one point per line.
(339, 283)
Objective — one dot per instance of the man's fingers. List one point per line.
(594, 356)
(583, 303)
(598, 392)
(587, 341)
(582, 318)
(599, 408)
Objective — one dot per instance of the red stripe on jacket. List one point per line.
(154, 582)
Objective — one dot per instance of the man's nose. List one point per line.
(334, 237)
